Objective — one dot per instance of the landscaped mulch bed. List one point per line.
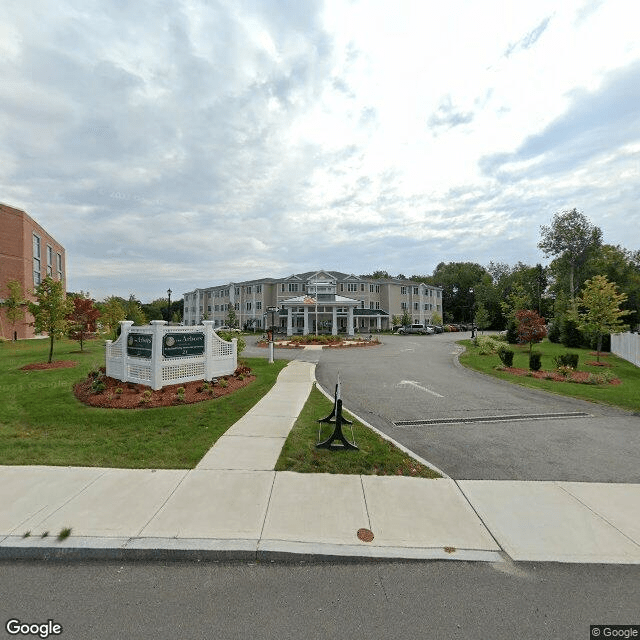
(137, 396)
(57, 364)
(580, 377)
(333, 345)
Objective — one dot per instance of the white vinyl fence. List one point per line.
(158, 355)
(627, 346)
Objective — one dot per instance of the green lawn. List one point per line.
(625, 395)
(41, 421)
(376, 456)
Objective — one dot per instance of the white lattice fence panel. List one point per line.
(139, 372)
(221, 349)
(180, 372)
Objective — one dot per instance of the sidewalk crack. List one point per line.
(599, 515)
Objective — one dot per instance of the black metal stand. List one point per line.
(336, 417)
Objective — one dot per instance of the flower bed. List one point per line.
(99, 390)
(580, 377)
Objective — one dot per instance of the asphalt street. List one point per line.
(431, 600)
(472, 426)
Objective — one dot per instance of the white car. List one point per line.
(415, 328)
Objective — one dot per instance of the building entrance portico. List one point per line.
(321, 310)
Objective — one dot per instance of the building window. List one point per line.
(362, 287)
(36, 260)
(258, 288)
(59, 265)
(371, 305)
(416, 306)
(403, 291)
(236, 306)
(259, 305)
(403, 305)
(237, 291)
(377, 305)
(249, 289)
(352, 287)
(370, 288)
(248, 306)
(293, 287)
(49, 261)
(415, 291)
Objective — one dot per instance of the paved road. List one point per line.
(452, 600)
(417, 378)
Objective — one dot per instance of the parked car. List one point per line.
(414, 328)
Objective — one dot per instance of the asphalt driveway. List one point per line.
(475, 427)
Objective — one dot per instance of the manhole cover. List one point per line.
(365, 535)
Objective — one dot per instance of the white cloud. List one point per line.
(184, 143)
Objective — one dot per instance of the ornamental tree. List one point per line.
(50, 310)
(531, 327)
(598, 309)
(82, 319)
(15, 304)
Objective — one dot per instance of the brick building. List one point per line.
(28, 254)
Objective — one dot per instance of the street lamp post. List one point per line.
(272, 311)
(169, 307)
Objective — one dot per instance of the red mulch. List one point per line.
(132, 396)
(576, 376)
(594, 363)
(56, 364)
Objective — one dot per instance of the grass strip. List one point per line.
(376, 456)
(42, 422)
(625, 395)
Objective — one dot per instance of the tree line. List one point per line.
(491, 295)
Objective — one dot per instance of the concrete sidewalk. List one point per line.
(233, 505)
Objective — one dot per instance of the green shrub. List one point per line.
(571, 336)
(555, 334)
(506, 356)
(604, 377)
(535, 361)
(486, 345)
(512, 332)
(566, 360)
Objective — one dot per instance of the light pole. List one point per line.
(169, 307)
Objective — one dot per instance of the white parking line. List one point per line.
(413, 383)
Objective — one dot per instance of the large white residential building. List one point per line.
(315, 302)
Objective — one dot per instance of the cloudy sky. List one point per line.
(186, 143)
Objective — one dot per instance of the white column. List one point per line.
(334, 327)
(350, 321)
(290, 321)
(378, 323)
(305, 330)
(156, 353)
(125, 327)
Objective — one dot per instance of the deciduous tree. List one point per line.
(82, 319)
(531, 327)
(598, 309)
(111, 313)
(50, 310)
(572, 238)
(15, 304)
